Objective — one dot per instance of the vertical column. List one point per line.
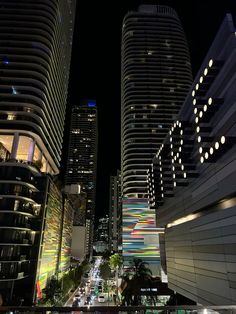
(15, 146)
(31, 150)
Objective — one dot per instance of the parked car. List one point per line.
(101, 298)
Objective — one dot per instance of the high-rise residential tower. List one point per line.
(156, 76)
(82, 159)
(35, 50)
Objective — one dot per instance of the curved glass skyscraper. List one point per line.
(156, 76)
(35, 51)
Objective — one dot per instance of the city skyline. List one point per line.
(95, 68)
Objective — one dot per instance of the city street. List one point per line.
(87, 293)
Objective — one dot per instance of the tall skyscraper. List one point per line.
(35, 51)
(82, 158)
(156, 76)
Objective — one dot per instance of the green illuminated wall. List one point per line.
(56, 243)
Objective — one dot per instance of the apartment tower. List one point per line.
(156, 76)
(35, 50)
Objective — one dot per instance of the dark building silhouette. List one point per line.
(195, 189)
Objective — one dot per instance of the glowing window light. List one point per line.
(196, 120)
(5, 60)
(194, 101)
(180, 124)
(162, 195)
(197, 86)
(185, 175)
(180, 149)
(162, 188)
(173, 176)
(181, 142)
(201, 79)
(193, 93)
(170, 132)
(181, 132)
(183, 220)
(205, 71)
(205, 108)
(172, 160)
(200, 114)
(200, 150)
(211, 150)
(172, 153)
(206, 155)
(210, 101)
(177, 122)
(199, 139)
(195, 110)
(173, 168)
(182, 167)
(202, 160)
(170, 139)
(210, 63)
(174, 125)
(217, 145)
(198, 129)
(222, 139)
(174, 183)
(180, 161)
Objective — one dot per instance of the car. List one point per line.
(76, 302)
(77, 296)
(101, 298)
(99, 288)
(88, 301)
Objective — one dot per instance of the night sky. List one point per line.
(95, 67)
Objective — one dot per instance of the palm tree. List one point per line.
(139, 276)
(115, 262)
(140, 269)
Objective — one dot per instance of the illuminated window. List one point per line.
(23, 147)
(37, 153)
(5, 146)
(11, 116)
(44, 164)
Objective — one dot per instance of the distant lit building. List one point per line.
(82, 159)
(35, 52)
(115, 214)
(101, 235)
(195, 171)
(156, 76)
(102, 231)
